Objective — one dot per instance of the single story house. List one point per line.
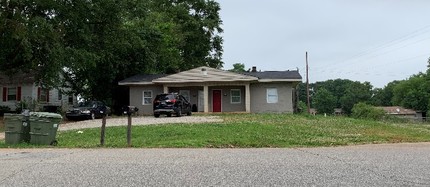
(215, 90)
(22, 89)
(401, 112)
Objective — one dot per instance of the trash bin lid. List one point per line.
(45, 115)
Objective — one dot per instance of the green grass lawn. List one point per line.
(251, 130)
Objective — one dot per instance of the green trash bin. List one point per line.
(43, 128)
(17, 128)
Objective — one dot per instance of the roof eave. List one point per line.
(134, 83)
(279, 80)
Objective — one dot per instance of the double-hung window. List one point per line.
(235, 96)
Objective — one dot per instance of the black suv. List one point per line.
(171, 103)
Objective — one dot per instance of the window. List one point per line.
(43, 95)
(235, 96)
(70, 100)
(11, 94)
(147, 97)
(272, 95)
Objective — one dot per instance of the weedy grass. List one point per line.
(250, 130)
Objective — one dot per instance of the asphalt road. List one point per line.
(367, 165)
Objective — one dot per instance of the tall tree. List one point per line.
(384, 96)
(413, 93)
(97, 43)
(30, 39)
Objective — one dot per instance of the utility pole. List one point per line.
(307, 84)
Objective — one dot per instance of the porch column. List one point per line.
(206, 98)
(165, 89)
(247, 98)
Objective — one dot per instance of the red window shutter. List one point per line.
(38, 93)
(47, 95)
(4, 94)
(18, 93)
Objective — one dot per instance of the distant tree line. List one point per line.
(325, 96)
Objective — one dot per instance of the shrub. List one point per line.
(365, 111)
(4, 109)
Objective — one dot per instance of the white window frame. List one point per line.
(146, 97)
(231, 96)
(272, 95)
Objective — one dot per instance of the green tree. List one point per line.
(384, 96)
(30, 39)
(238, 67)
(413, 93)
(355, 92)
(324, 101)
(97, 43)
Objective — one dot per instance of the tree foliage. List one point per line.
(97, 43)
(324, 101)
(413, 93)
(238, 67)
(366, 111)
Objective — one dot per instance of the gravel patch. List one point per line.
(137, 121)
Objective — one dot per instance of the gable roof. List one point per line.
(141, 79)
(208, 74)
(205, 74)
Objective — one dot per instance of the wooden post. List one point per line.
(129, 130)
(102, 133)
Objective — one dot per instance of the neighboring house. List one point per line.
(21, 88)
(401, 112)
(214, 90)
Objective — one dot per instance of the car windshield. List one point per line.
(86, 104)
(165, 97)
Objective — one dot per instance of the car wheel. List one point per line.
(169, 115)
(156, 115)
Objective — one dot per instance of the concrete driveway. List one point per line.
(366, 165)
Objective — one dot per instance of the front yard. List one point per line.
(250, 130)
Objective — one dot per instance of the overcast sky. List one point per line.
(362, 40)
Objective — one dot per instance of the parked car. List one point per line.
(88, 110)
(171, 103)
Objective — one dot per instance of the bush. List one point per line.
(365, 111)
(4, 109)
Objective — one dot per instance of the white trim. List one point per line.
(143, 97)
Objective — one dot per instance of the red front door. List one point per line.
(216, 101)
